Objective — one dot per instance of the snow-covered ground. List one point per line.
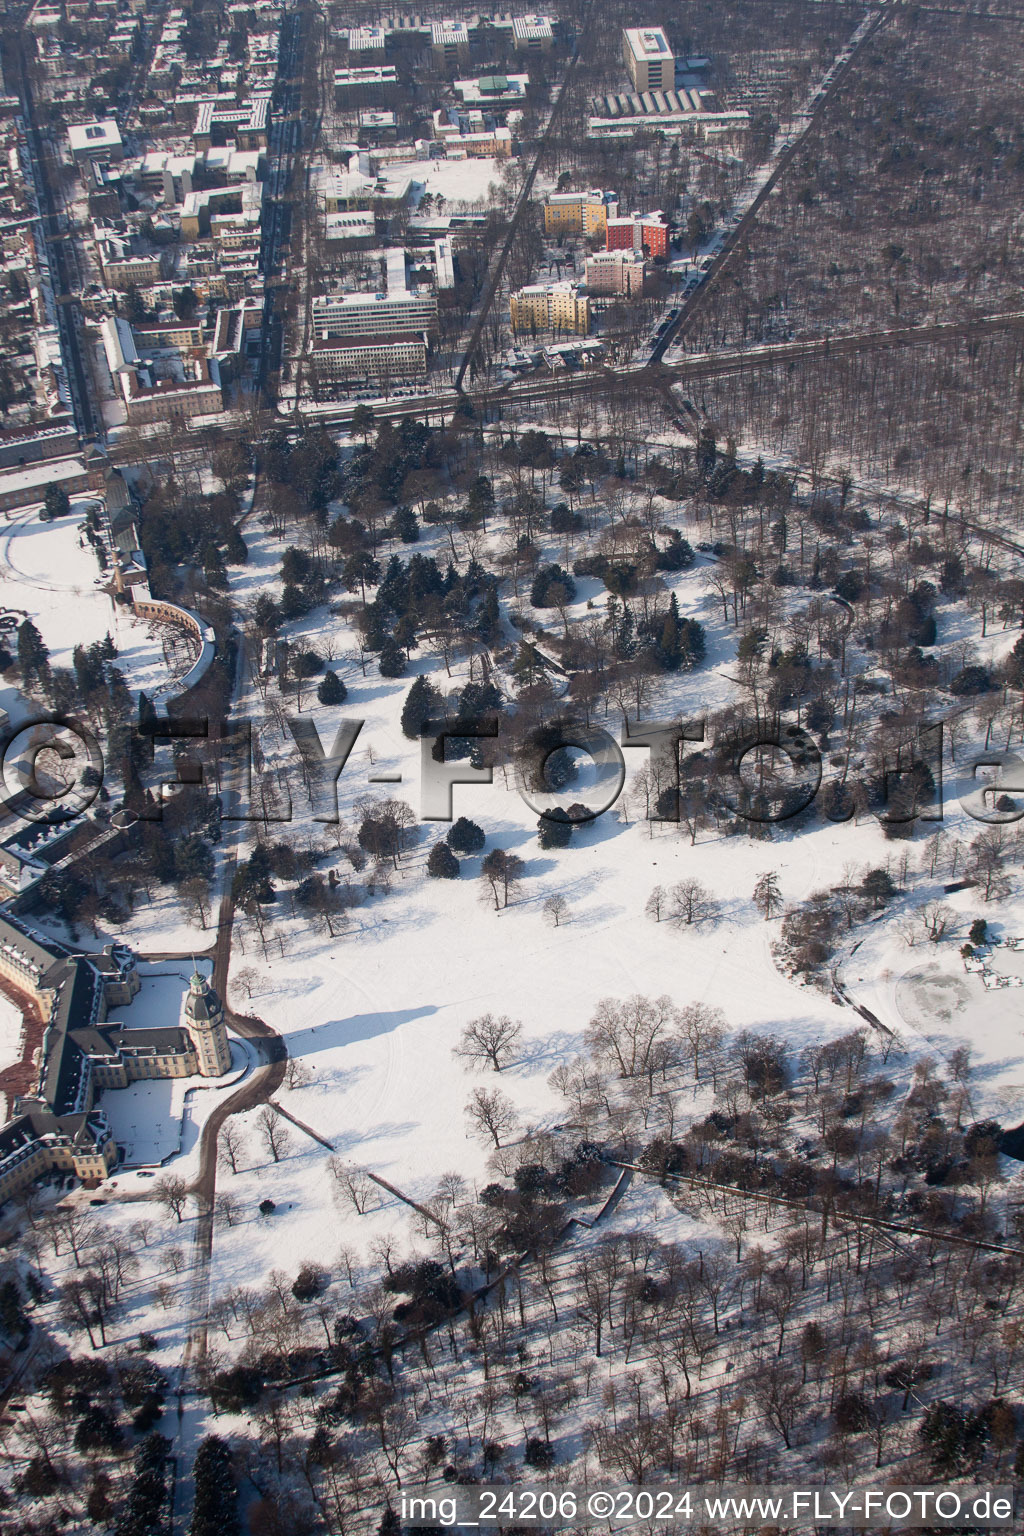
(459, 182)
(10, 1032)
(158, 925)
(49, 570)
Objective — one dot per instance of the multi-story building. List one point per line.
(95, 141)
(370, 84)
(244, 123)
(449, 42)
(532, 34)
(400, 357)
(59, 1127)
(123, 272)
(366, 42)
(619, 272)
(223, 213)
(175, 378)
(550, 307)
(470, 134)
(577, 213)
(354, 315)
(646, 232)
(649, 59)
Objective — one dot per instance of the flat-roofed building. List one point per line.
(365, 42)
(351, 230)
(370, 83)
(354, 315)
(532, 34)
(444, 263)
(95, 141)
(646, 232)
(649, 59)
(400, 357)
(617, 272)
(449, 41)
(577, 213)
(495, 91)
(550, 307)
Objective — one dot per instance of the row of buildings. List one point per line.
(594, 215)
(167, 214)
(619, 271)
(450, 41)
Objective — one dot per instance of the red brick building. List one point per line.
(645, 232)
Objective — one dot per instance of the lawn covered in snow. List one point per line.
(48, 570)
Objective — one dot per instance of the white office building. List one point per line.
(649, 59)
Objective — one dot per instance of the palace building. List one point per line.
(61, 1126)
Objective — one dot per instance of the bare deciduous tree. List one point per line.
(274, 1132)
(490, 1039)
(232, 1143)
(226, 1209)
(172, 1193)
(691, 903)
(354, 1184)
(492, 1115)
(935, 917)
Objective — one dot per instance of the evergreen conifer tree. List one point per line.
(331, 689)
(33, 657)
(422, 703)
(442, 863)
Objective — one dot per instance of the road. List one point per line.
(257, 1089)
(58, 248)
(518, 213)
(693, 367)
(787, 151)
(286, 139)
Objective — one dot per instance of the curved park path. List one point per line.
(258, 1088)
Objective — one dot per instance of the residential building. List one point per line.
(449, 42)
(223, 212)
(470, 135)
(243, 122)
(532, 34)
(647, 232)
(368, 84)
(617, 272)
(649, 59)
(550, 307)
(366, 42)
(577, 213)
(121, 272)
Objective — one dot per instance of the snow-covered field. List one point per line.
(48, 570)
(457, 181)
(375, 1014)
